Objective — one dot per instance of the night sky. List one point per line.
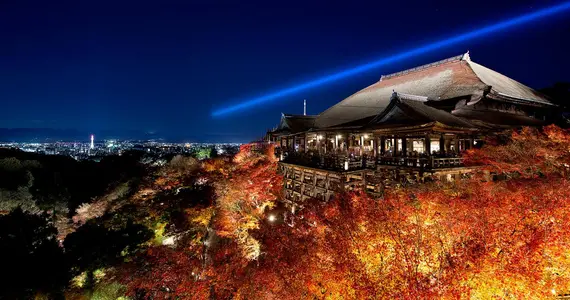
(164, 66)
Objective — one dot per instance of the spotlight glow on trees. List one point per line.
(489, 29)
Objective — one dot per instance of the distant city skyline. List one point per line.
(90, 150)
(75, 135)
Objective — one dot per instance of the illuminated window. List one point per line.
(388, 144)
(418, 145)
(434, 146)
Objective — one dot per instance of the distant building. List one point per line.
(407, 126)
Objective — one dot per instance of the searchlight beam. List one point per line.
(500, 26)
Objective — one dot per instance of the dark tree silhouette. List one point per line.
(559, 93)
(63, 180)
(32, 260)
(94, 246)
(13, 174)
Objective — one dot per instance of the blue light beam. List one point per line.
(520, 20)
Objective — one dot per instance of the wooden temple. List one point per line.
(407, 127)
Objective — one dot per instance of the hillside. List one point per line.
(216, 229)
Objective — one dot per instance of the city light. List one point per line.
(88, 150)
(423, 49)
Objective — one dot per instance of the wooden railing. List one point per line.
(343, 163)
(354, 164)
(447, 162)
(417, 162)
(422, 162)
(337, 162)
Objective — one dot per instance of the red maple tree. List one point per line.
(473, 238)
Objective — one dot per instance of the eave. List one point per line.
(507, 98)
(426, 127)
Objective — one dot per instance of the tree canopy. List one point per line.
(217, 228)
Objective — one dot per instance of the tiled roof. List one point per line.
(446, 79)
(406, 110)
(506, 86)
(296, 123)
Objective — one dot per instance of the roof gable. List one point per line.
(411, 110)
(295, 123)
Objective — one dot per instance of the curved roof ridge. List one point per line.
(410, 96)
(422, 67)
(298, 116)
(415, 108)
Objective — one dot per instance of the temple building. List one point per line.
(407, 127)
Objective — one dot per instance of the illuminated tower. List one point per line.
(92, 142)
(304, 107)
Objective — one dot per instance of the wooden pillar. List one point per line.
(442, 149)
(336, 142)
(428, 144)
(404, 146)
(382, 145)
(326, 142)
(394, 142)
(447, 145)
(375, 146)
(314, 182)
(293, 143)
(361, 145)
(397, 151)
(294, 146)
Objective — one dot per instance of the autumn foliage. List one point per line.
(530, 152)
(244, 196)
(502, 234)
